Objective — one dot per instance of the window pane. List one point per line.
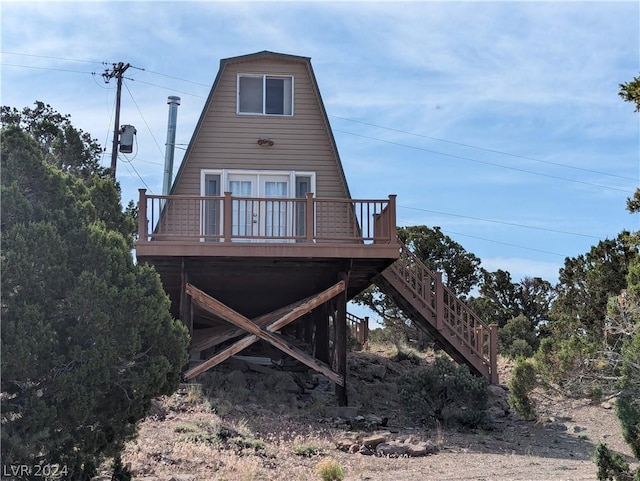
(278, 97)
(275, 96)
(250, 95)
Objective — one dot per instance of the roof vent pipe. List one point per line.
(173, 102)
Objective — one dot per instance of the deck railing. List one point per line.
(229, 218)
(359, 328)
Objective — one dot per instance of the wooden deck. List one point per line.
(237, 269)
(271, 251)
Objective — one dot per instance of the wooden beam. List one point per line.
(215, 336)
(216, 307)
(221, 356)
(186, 311)
(340, 325)
(219, 309)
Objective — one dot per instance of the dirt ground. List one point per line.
(244, 424)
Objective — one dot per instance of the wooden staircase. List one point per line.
(436, 309)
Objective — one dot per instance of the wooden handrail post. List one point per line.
(392, 218)
(493, 352)
(227, 225)
(439, 299)
(309, 218)
(480, 340)
(142, 215)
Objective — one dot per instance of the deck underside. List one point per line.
(254, 286)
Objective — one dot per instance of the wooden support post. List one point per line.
(142, 215)
(322, 334)
(309, 324)
(186, 312)
(309, 218)
(227, 223)
(340, 325)
(365, 331)
(493, 352)
(392, 219)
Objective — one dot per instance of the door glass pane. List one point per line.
(303, 185)
(276, 211)
(242, 209)
(212, 207)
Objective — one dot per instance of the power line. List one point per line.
(168, 88)
(51, 58)
(143, 119)
(501, 222)
(506, 244)
(485, 162)
(485, 149)
(171, 76)
(45, 68)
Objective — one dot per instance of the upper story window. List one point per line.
(265, 95)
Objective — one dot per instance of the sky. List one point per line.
(499, 122)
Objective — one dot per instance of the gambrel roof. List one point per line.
(248, 60)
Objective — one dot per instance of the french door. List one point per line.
(265, 219)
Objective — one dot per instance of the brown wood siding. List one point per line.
(302, 142)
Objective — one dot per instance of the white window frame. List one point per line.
(224, 182)
(264, 93)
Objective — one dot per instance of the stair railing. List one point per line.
(448, 312)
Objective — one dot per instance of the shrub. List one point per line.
(306, 450)
(612, 466)
(523, 380)
(628, 404)
(444, 392)
(329, 470)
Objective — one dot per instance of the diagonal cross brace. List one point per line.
(267, 334)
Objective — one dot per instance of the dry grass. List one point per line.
(234, 433)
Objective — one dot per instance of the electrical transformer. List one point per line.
(127, 132)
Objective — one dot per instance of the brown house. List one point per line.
(260, 240)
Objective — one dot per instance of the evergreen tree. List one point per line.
(87, 337)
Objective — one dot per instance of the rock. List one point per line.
(606, 405)
(577, 429)
(288, 384)
(378, 371)
(347, 412)
(415, 450)
(156, 411)
(373, 441)
(183, 477)
(365, 451)
(391, 450)
(345, 444)
(237, 379)
(422, 449)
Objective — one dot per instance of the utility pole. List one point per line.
(116, 71)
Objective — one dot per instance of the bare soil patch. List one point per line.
(254, 423)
